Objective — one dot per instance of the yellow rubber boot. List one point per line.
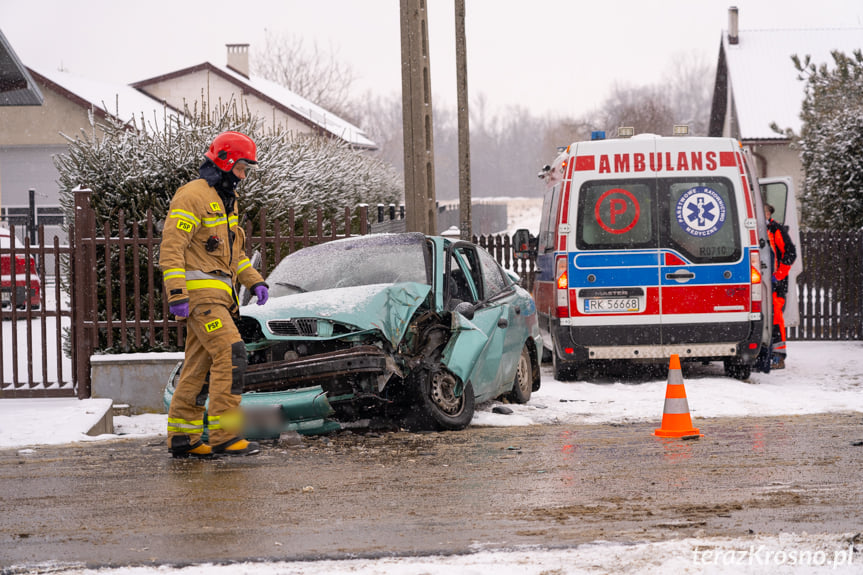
(199, 449)
(237, 446)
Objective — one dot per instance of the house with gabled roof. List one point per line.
(31, 136)
(278, 107)
(757, 85)
(17, 87)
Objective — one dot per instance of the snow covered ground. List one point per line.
(821, 377)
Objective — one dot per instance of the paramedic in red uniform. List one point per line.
(784, 254)
(202, 257)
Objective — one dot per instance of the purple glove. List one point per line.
(262, 293)
(180, 309)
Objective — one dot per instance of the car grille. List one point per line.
(305, 327)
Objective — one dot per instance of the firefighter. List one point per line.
(202, 257)
(784, 254)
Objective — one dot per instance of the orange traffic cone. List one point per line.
(675, 417)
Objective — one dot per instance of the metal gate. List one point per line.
(32, 358)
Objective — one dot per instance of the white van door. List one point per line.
(779, 193)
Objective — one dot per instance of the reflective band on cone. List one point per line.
(675, 416)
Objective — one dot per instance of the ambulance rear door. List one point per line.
(705, 250)
(614, 262)
(779, 193)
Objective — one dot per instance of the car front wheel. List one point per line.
(440, 402)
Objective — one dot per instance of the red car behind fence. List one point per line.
(28, 289)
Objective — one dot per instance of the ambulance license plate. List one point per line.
(611, 305)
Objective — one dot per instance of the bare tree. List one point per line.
(690, 79)
(380, 116)
(682, 96)
(565, 131)
(315, 74)
(644, 108)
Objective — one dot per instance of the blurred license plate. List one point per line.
(5, 296)
(611, 305)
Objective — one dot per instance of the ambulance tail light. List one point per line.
(561, 281)
(755, 280)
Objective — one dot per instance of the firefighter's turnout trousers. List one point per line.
(215, 361)
(202, 257)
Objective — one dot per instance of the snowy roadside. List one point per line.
(786, 553)
(821, 377)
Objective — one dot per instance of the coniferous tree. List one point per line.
(831, 142)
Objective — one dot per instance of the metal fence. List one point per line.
(115, 298)
(830, 289)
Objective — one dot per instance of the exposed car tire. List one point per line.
(563, 370)
(522, 385)
(737, 370)
(438, 402)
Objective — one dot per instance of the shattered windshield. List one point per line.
(365, 260)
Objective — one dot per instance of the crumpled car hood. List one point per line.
(384, 307)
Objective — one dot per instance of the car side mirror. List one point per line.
(465, 309)
(524, 244)
(513, 277)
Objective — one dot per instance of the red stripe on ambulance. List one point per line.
(585, 164)
(703, 299)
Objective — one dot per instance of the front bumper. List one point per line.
(334, 371)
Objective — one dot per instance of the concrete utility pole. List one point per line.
(420, 204)
(464, 199)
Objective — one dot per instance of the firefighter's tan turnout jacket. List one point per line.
(199, 263)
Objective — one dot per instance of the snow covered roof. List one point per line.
(118, 100)
(305, 108)
(291, 103)
(763, 78)
(16, 86)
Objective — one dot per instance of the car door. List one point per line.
(615, 267)
(511, 329)
(543, 285)
(705, 277)
(475, 351)
(779, 193)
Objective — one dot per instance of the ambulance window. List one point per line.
(701, 219)
(776, 194)
(616, 214)
(548, 222)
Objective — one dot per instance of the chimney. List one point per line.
(732, 25)
(238, 58)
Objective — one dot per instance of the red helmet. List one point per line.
(228, 148)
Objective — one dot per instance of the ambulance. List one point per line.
(650, 246)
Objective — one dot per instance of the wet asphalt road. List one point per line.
(126, 502)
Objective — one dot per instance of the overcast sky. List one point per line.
(556, 57)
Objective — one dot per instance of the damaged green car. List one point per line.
(407, 327)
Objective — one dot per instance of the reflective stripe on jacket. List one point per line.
(202, 253)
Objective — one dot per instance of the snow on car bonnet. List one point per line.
(385, 307)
